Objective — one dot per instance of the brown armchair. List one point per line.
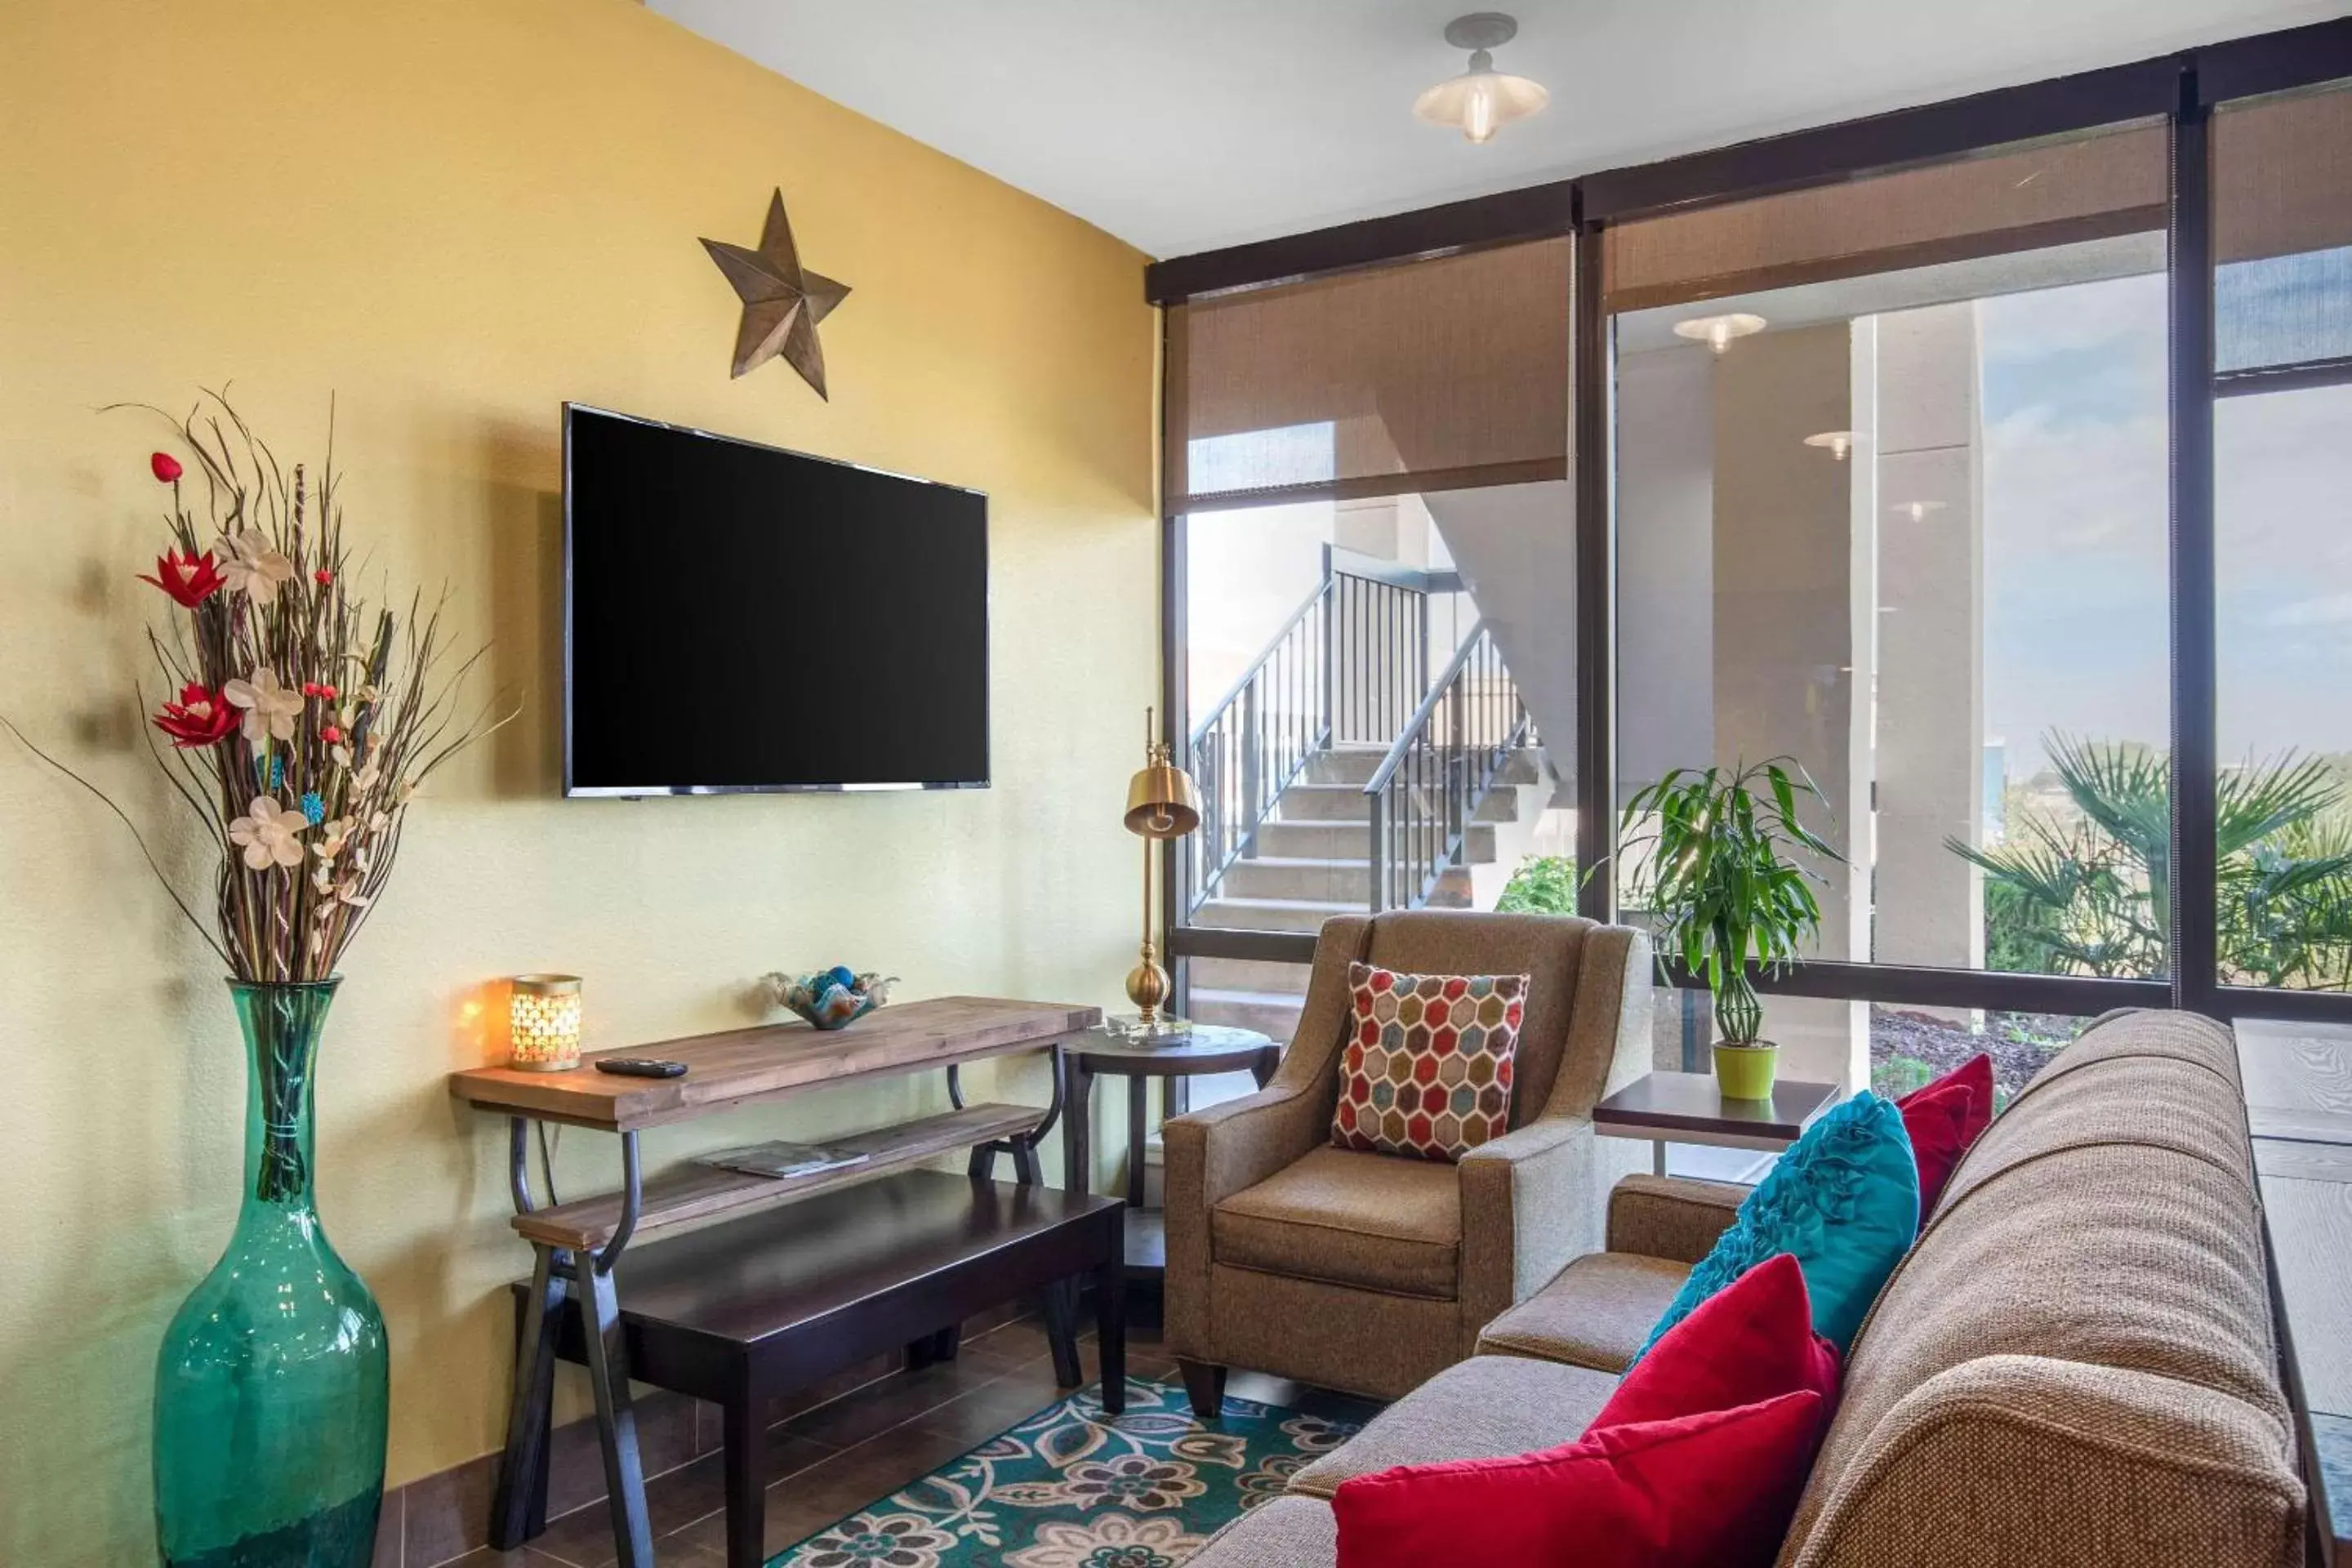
(1371, 1272)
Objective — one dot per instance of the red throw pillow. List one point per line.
(1943, 1119)
(1750, 1341)
(1711, 1490)
(1427, 1069)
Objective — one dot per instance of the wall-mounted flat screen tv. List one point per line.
(737, 617)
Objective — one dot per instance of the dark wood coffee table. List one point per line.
(756, 1306)
(1690, 1107)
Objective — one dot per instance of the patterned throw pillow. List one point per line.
(1427, 1070)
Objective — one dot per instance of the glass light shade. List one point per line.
(543, 1017)
(1717, 332)
(1839, 442)
(1481, 101)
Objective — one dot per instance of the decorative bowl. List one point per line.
(832, 998)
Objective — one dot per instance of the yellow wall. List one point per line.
(454, 213)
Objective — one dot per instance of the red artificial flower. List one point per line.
(327, 692)
(167, 467)
(323, 576)
(332, 735)
(200, 718)
(191, 579)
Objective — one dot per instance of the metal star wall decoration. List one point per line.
(782, 300)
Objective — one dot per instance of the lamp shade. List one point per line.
(1481, 101)
(1160, 800)
(543, 1023)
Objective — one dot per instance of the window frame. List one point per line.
(2182, 89)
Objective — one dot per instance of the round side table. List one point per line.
(1098, 1053)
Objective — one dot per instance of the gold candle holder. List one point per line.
(543, 1020)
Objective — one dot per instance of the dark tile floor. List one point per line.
(837, 1457)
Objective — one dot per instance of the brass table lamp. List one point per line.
(1161, 804)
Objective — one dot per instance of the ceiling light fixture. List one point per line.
(1717, 332)
(1839, 442)
(1482, 100)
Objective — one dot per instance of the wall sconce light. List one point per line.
(543, 1015)
(1918, 510)
(1839, 442)
(1717, 332)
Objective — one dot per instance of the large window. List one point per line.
(2282, 544)
(1375, 537)
(1891, 502)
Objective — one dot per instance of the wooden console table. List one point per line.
(577, 1243)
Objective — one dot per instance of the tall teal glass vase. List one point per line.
(271, 1390)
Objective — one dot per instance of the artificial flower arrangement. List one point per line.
(304, 719)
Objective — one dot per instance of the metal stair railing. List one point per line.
(1445, 761)
(1349, 665)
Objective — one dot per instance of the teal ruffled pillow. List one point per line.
(1845, 1200)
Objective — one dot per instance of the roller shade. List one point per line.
(2016, 198)
(2283, 232)
(1426, 376)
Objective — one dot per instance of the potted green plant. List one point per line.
(1710, 857)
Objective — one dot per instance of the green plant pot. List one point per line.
(1745, 1072)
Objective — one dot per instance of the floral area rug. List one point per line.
(1071, 1487)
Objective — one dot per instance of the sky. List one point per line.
(2077, 461)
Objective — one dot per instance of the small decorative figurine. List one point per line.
(830, 998)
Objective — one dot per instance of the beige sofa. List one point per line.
(1372, 1272)
(2074, 1366)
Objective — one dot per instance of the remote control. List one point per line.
(641, 1066)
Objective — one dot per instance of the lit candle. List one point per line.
(544, 1022)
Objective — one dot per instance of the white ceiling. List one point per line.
(1183, 125)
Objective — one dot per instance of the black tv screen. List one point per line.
(739, 617)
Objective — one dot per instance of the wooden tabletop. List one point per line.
(1690, 1107)
(743, 1065)
(1203, 1049)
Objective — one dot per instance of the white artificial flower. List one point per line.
(331, 841)
(250, 566)
(267, 832)
(349, 893)
(270, 710)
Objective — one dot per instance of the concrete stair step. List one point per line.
(1268, 876)
(1349, 841)
(1274, 1013)
(1345, 765)
(1255, 975)
(1272, 914)
(1308, 802)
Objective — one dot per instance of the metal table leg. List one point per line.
(519, 1509)
(608, 1371)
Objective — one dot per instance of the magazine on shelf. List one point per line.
(781, 1160)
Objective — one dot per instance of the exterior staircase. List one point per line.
(1312, 861)
(1357, 764)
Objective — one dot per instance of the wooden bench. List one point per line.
(576, 1290)
(743, 1313)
